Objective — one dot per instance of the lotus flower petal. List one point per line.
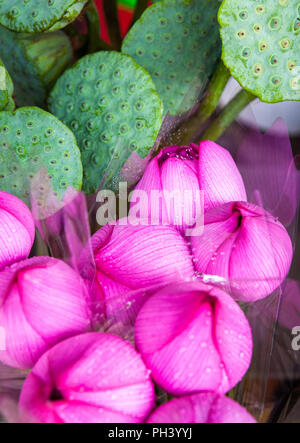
(133, 262)
(81, 380)
(219, 176)
(201, 408)
(119, 304)
(179, 178)
(145, 256)
(245, 246)
(16, 230)
(48, 302)
(151, 180)
(194, 337)
(182, 176)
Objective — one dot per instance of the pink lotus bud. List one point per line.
(90, 378)
(247, 247)
(194, 337)
(42, 301)
(132, 259)
(16, 230)
(201, 408)
(179, 174)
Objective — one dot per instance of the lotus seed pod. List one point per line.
(112, 106)
(32, 140)
(34, 16)
(6, 88)
(261, 46)
(37, 62)
(178, 42)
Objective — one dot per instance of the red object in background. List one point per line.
(125, 17)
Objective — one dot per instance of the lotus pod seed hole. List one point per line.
(246, 52)
(295, 83)
(263, 45)
(260, 9)
(285, 43)
(258, 69)
(297, 25)
(257, 28)
(276, 81)
(244, 15)
(149, 37)
(291, 65)
(275, 23)
(179, 18)
(242, 34)
(274, 60)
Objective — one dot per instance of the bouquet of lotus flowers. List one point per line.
(148, 272)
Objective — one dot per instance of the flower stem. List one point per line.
(228, 115)
(208, 104)
(139, 9)
(93, 21)
(112, 19)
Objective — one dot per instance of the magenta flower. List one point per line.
(90, 378)
(245, 246)
(133, 259)
(194, 337)
(201, 408)
(188, 170)
(16, 230)
(42, 301)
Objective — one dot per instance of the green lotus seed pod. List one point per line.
(112, 106)
(178, 43)
(34, 16)
(261, 46)
(6, 89)
(34, 63)
(32, 140)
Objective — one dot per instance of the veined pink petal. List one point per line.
(54, 300)
(81, 379)
(120, 304)
(219, 176)
(246, 247)
(262, 256)
(201, 408)
(181, 190)
(32, 407)
(77, 412)
(186, 334)
(48, 302)
(150, 181)
(145, 256)
(16, 230)
(205, 247)
(22, 342)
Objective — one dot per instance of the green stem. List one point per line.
(93, 22)
(228, 115)
(208, 104)
(112, 19)
(139, 9)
